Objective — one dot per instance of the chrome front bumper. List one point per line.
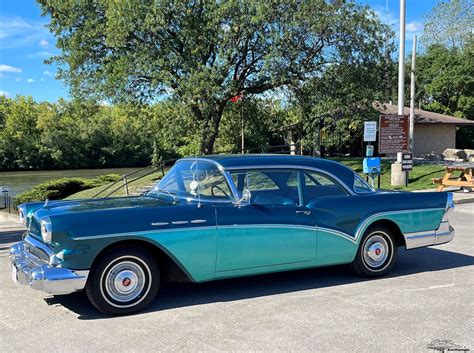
(34, 264)
(444, 234)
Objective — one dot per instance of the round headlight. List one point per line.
(46, 230)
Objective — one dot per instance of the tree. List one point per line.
(204, 52)
(449, 23)
(445, 80)
(340, 100)
(445, 84)
(19, 135)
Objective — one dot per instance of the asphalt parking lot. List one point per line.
(427, 297)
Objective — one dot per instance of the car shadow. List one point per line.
(178, 295)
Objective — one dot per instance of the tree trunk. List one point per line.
(211, 128)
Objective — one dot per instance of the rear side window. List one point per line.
(360, 186)
(316, 185)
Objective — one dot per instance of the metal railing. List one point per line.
(126, 180)
(8, 203)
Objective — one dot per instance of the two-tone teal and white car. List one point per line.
(218, 217)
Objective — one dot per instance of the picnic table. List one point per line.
(465, 178)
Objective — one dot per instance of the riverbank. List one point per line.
(20, 181)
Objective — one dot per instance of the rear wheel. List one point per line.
(124, 281)
(377, 252)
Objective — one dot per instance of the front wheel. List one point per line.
(377, 252)
(124, 281)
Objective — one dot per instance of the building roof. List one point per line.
(235, 161)
(425, 117)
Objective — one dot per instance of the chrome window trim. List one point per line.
(300, 177)
(295, 167)
(232, 186)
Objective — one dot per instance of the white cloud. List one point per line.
(48, 73)
(30, 80)
(44, 43)
(5, 93)
(42, 79)
(414, 27)
(18, 79)
(8, 68)
(16, 32)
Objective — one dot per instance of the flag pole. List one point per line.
(242, 126)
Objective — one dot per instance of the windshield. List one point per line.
(194, 179)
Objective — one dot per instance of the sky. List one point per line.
(25, 43)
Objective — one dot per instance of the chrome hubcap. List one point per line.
(376, 251)
(125, 281)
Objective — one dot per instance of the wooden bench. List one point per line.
(437, 180)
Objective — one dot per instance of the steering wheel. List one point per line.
(219, 189)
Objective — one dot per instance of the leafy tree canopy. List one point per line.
(204, 52)
(450, 23)
(445, 80)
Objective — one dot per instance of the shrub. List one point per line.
(57, 189)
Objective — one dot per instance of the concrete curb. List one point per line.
(462, 201)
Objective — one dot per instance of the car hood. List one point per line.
(90, 205)
(100, 215)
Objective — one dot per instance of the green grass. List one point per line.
(57, 189)
(419, 177)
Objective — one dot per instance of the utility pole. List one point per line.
(401, 59)
(412, 93)
(242, 142)
(398, 175)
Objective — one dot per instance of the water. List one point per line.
(22, 181)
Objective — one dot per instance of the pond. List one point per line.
(22, 181)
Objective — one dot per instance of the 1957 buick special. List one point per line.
(217, 217)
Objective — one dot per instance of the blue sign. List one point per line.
(371, 165)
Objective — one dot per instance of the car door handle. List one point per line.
(306, 213)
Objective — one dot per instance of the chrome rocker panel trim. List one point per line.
(39, 274)
(444, 234)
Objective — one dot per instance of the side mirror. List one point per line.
(245, 199)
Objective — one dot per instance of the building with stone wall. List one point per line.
(432, 131)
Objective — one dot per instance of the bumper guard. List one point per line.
(35, 264)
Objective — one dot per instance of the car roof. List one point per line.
(236, 161)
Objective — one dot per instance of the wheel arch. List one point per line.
(170, 268)
(397, 233)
